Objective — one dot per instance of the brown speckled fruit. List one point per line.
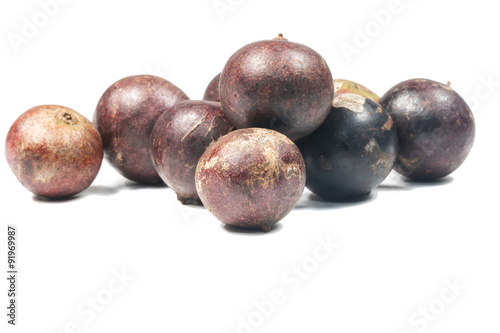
(435, 128)
(125, 116)
(251, 178)
(54, 151)
(277, 84)
(180, 137)
(212, 91)
(342, 86)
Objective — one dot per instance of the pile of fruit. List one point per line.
(272, 122)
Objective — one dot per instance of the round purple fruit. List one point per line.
(435, 128)
(353, 151)
(54, 151)
(125, 116)
(212, 91)
(180, 137)
(277, 84)
(251, 178)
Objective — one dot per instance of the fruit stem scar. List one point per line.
(68, 118)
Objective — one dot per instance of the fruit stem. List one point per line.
(448, 83)
(280, 37)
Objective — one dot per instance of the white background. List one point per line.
(397, 249)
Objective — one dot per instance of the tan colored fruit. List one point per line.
(349, 87)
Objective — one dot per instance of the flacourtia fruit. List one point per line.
(212, 91)
(125, 116)
(54, 151)
(435, 128)
(251, 178)
(353, 151)
(277, 84)
(342, 86)
(180, 137)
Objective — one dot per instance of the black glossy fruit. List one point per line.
(277, 84)
(353, 151)
(435, 128)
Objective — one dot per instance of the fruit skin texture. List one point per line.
(125, 116)
(342, 86)
(435, 128)
(251, 178)
(180, 137)
(54, 151)
(277, 84)
(353, 151)
(212, 91)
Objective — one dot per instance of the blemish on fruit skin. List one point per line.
(292, 170)
(352, 102)
(342, 86)
(388, 124)
(407, 163)
(119, 160)
(371, 145)
(45, 175)
(194, 127)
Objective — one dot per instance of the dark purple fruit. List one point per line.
(435, 128)
(180, 137)
(353, 151)
(251, 178)
(125, 116)
(279, 85)
(54, 151)
(212, 91)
